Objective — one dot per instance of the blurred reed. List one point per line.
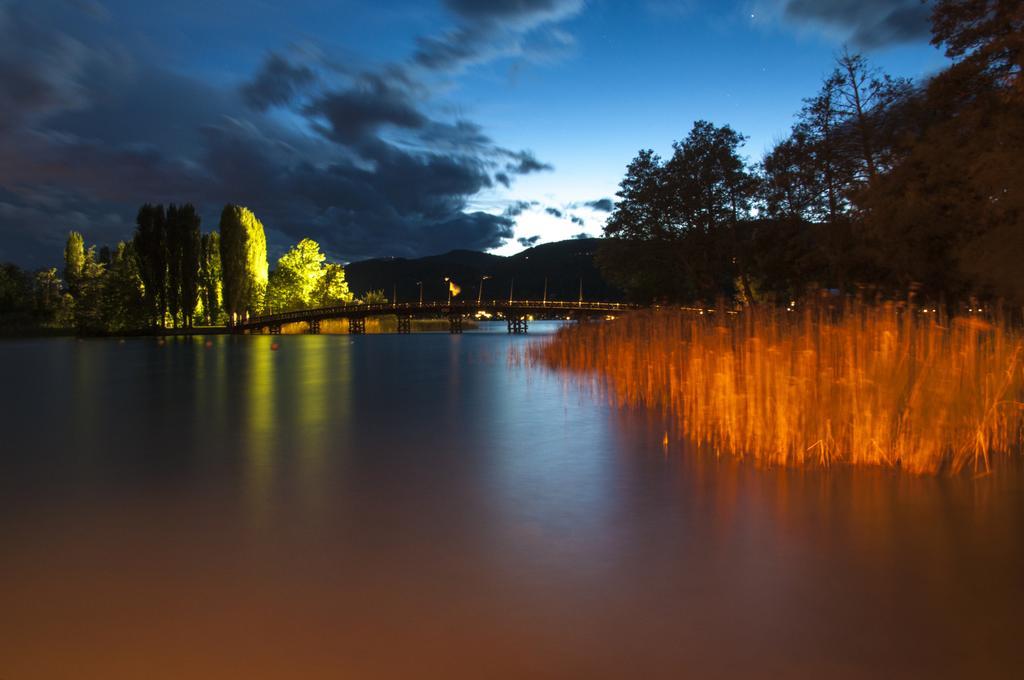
(862, 384)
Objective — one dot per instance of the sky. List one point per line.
(394, 128)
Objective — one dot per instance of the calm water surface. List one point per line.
(417, 506)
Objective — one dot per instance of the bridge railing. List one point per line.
(446, 307)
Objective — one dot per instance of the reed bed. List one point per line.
(865, 384)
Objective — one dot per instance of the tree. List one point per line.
(866, 97)
(332, 289)
(16, 308)
(150, 251)
(374, 297)
(47, 291)
(675, 232)
(174, 244)
(789, 181)
(123, 307)
(189, 254)
(819, 122)
(984, 36)
(89, 311)
(642, 253)
(74, 260)
(243, 250)
(711, 192)
(297, 275)
(210, 286)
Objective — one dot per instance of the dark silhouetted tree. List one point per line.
(150, 251)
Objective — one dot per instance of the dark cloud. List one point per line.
(90, 130)
(577, 220)
(868, 23)
(277, 83)
(554, 212)
(582, 235)
(495, 29)
(524, 163)
(528, 242)
(601, 205)
(529, 11)
(351, 116)
(517, 208)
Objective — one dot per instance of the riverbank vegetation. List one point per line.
(890, 385)
(169, 276)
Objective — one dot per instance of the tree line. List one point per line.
(170, 275)
(882, 185)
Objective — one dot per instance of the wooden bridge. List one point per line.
(517, 313)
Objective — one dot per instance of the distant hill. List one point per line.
(564, 264)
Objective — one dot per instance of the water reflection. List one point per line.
(415, 506)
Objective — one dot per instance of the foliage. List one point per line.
(303, 280)
(881, 184)
(243, 250)
(150, 251)
(374, 297)
(210, 287)
(332, 289)
(184, 243)
(691, 204)
(296, 276)
(74, 259)
(878, 385)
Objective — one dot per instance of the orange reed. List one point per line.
(863, 385)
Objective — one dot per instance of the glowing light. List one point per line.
(873, 386)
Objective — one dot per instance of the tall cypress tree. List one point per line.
(189, 261)
(243, 250)
(151, 255)
(174, 244)
(74, 261)
(210, 276)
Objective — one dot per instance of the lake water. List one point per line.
(418, 506)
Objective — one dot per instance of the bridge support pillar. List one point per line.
(357, 325)
(518, 325)
(455, 324)
(314, 327)
(404, 324)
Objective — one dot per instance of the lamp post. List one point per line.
(420, 284)
(545, 291)
(581, 291)
(480, 293)
(511, 288)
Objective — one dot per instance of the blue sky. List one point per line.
(398, 128)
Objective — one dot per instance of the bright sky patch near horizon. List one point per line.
(398, 128)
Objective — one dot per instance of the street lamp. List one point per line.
(420, 284)
(480, 293)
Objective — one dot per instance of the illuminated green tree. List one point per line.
(243, 254)
(74, 260)
(332, 289)
(210, 287)
(297, 275)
